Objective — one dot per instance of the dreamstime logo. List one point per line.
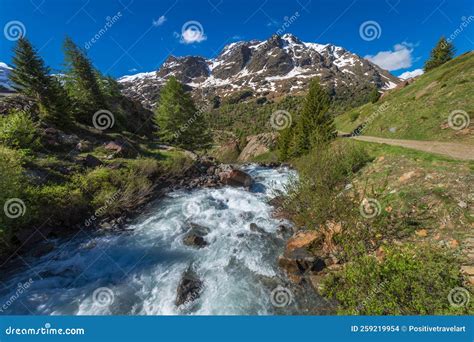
(370, 207)
(192, 32)
(191, 209)
(103, 119)
(370, 30)
(14, 30)
(281, 297)
(459, 297)
(458, 119)
(280, 119)
(465, 22)
(109, 22)
(103, 296)
(14, 208)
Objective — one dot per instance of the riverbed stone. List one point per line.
(236, 178)
(195, 236)
(189, 288)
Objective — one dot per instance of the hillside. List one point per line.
(420, 110)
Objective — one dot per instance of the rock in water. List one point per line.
(195, 236)
(236, 178)
(189, 288)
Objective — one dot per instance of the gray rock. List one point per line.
(189, 288)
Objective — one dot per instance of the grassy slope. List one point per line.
(420, 111)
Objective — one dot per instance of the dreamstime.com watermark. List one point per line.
(358, 131)
(370, 30)
(14, 208)
(21, 288)
(14, 30)
(46, 330)
(281, 297)
(103, 210)
(103, 296)
(103, 119)
(459, 297)
(458, 119)
(465, 21)
(110, 21)
(183, 128)
(370, 208)
(281, 119)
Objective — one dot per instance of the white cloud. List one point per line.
(192, 35)
(161, 20)
(398, 58)
(410, 74)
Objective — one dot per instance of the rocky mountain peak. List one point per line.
(280, 65)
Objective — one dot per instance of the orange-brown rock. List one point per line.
(302, 239)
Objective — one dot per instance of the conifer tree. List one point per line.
(82, 83)
(284, 142)
(30, 76)
(179, 122)
(441, 53)
(374, 95)
(315, 124)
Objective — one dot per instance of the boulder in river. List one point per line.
(236, 178)
(189, 288)
(195, 236)
(255, 228)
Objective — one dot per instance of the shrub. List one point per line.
(354, 116)
(410, 280)
(324, 173)
(147, 167)
(63, 205)
(18, 130)
(11, 180)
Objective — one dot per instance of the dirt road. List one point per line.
(453, 150)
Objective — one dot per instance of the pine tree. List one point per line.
(441, 53)
(30, 76)
(82, 83)
(315, 124)
(179, 122)
(284, 142)
(374, 95)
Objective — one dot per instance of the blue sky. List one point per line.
(142, 33)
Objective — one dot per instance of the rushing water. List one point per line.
(138, 270)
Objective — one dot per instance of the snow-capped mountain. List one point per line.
(5, 84)
(278, 66)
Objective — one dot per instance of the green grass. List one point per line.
(409, 280)
(420, 110)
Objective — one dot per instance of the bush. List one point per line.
(115, 191)
(353, 116)
(64, 205)
(17, 130)
(324, 172)
(11, 181)
(410, 280)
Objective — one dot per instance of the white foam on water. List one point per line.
(142, 266)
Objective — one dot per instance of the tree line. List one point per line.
(81, 90)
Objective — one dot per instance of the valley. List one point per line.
(218, 186)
